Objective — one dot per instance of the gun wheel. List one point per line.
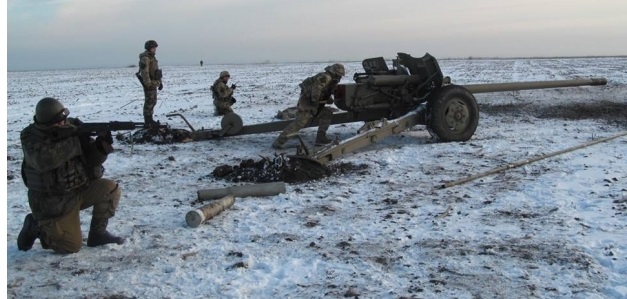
(231, 124)
(452, 114)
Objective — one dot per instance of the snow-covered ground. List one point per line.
(556, 228)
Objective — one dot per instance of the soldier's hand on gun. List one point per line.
(233, 86)
(104, 142)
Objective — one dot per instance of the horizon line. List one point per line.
(470, 57)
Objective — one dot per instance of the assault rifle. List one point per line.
(94, 128)
(139, 77)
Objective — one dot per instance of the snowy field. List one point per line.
(556, 228)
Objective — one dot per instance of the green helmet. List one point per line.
(150, 44)
(50, 111)
(224, 74)
(336, 69)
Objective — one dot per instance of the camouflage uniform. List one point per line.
(63, 173)
(315, 93)
(151, 80)
(222, 95)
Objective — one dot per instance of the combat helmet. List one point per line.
(150, 44)
(336, 69)
(224, 74)
(50, 111)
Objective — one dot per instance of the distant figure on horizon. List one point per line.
(222, 94)
(201, 63)
(150, 76)
(315, 93)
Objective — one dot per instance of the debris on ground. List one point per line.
(286, 168)
(158, 135)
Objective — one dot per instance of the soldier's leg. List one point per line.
(324, 121)
(104, 195)
(303, 117)
(223, 107)
(150, 101)
(62, 234)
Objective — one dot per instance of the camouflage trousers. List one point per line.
(63, 233)
(304, 118)
(150, 101)
(222, 107)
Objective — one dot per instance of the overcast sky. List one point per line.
(52, 34)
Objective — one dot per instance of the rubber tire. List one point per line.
(452, 114)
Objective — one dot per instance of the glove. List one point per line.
(233, 86)
(104, 142)
(330, 101)
(160, 86)
(105, 136)
(233, 100)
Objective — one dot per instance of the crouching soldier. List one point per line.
(222, 94)
(63, 173)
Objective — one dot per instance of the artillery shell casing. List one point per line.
(265, 189)
(196, 217)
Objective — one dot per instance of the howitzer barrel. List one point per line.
(392, 80)
(499, 87)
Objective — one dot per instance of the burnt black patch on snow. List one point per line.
(289, 169)
(156, 135)
(610, 112)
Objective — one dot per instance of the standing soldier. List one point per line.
(150, 77)
(63, 173)
(315, 93)
(222, 94)
(201, 63)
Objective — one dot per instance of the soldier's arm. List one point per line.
(317, 88)
(45, 155)
(144, 71)
(224, 92)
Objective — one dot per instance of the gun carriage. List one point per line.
(413, 92)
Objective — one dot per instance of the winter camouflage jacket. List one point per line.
(316, 91)
(149, 70)
(220, 91)
(57, 163)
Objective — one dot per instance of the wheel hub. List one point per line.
(457, 115)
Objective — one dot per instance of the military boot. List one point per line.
(148, 121)
(98, 234)
(28, 234)
(321, 139)
(279, 142)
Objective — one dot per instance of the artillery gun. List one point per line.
(413, 92)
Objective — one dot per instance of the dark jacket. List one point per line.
(57, 162)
